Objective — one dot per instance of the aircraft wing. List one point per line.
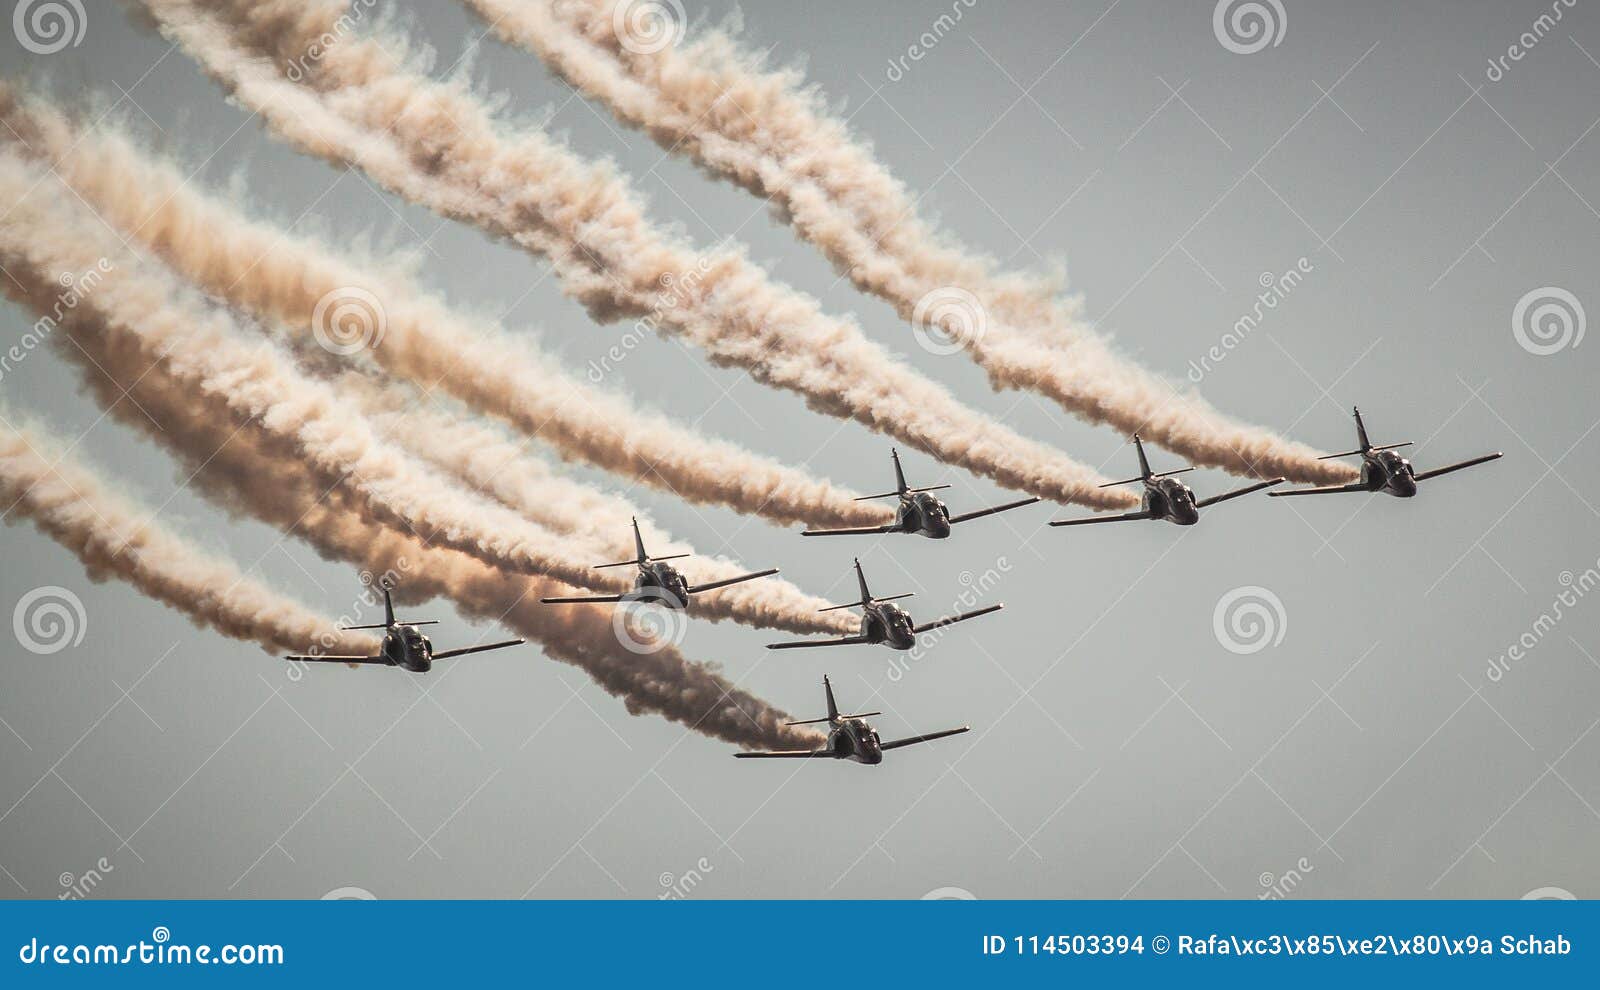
(307, 658)
(913, 740)
(1354, 486)
(786, 754)
(799, 643)
(989, 512)
(1141, 514)
(1456, 467)
(596, 599)
(951, 620)
(447, 654)
(714, 585)
(856, 531)
(1213, 500)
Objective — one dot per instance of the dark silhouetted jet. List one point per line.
(403, 646)
(658, 583)
(1383, 470)
(1165, 497)
(849, 738)
(882, 622)
(919, 511)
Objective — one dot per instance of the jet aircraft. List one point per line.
(403, 645)
(849, 738)
(658, 582)
(920, 511)
(1165, 497)
(1383, 470)
(882, 622)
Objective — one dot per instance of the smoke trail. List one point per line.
(253, 472)
(201, 346)
(767, 131)
(435, 144)
(475, 456)
(114, 539)
(307, 285)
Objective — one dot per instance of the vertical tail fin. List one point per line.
(861, 579)
(833, 709)
(388, 607)
(1144, 463)
(1361, 431)
(899, 475)
(638, 543)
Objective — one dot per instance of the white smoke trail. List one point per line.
(201, 346)
(769, 132)
(302, 283)
(437, 145)
(253, 472)
(115, 539)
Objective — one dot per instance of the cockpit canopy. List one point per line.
(929, 504)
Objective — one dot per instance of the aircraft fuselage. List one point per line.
(886, 623)
(660, 583)
(854, 739)
(1388, 472)
(923, 514)
(406, 647)
(1172, 500)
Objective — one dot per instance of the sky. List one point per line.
(1371, 739)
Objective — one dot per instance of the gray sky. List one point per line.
(1119, 748)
